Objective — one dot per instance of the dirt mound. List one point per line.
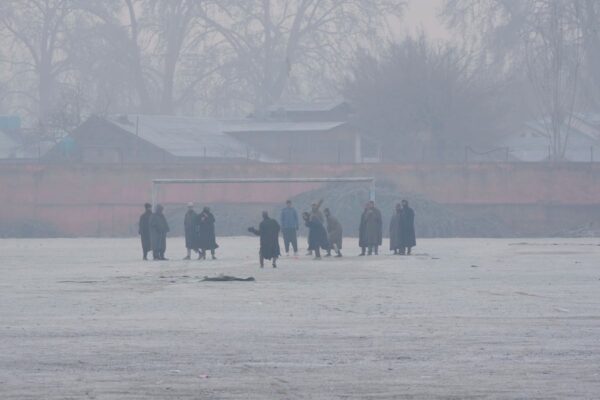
(27, 228)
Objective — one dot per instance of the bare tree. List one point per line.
(294, 46)
(38, 32)
(543, 35)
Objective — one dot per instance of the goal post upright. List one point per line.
(157, 182)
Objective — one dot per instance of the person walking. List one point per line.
(268, 231)
(158, 233)
(289, 227)
(144, 230)
(190, 226)
(407, 228)
(207, 239)
(334, 233)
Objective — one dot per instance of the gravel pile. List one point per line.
(346, 201)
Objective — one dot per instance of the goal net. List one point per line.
(237, 202)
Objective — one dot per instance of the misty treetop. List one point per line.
(427, 101)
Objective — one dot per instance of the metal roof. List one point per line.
(317, 106)
(250, 125)
(187, 136)
(532, 142)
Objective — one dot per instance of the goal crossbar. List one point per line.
(158, 182)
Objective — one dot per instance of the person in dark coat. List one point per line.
(334, 233)
(373, 228)
(315, 211)
(289, 227)
(407, 228)
(317, 235)
(144, 230)
(206, 233)
(158, 233)
(362, 237)
(395, 232)
(268, 230)
(190, 226)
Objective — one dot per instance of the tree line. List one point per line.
(64, 59)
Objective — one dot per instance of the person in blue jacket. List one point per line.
(289, 227)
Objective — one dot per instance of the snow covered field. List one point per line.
(462, 318)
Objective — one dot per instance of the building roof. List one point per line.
(317, 106)
(251, 125)
(187, 136)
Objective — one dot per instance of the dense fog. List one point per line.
(503, 66)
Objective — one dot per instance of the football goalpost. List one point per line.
(156, 183)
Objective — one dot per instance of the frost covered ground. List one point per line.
(461, 319)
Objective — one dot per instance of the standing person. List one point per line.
(190, 226)
(315, 212)
(268, 230)
(206, 233)
(144, 230)
(373, 228)
(407, 228)
(395, 232)
(158, 233)
(335, 234)
(362, 232)
(317, 236)
(289, 227)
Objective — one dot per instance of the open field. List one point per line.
(461, 319)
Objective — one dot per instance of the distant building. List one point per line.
(152, 139)
(532, 143)
(18, 144)
(318, 132)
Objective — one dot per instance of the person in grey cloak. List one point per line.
(268, 231)
(373, 228)
(206, 233)
(144, 230)
(158, 233)
(334, 232)
(407, 228)
(191, 231)
(395, 232)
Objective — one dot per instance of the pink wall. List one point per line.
(105, 199)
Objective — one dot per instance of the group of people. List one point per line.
(320, 236)
(401, 230)
(200, 234)
(324, 232)
(153, 229)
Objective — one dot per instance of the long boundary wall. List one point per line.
(105, 200)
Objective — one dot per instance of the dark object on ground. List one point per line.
(227, 278)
